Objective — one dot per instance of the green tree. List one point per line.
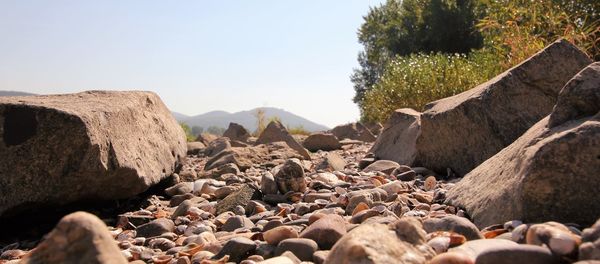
(197, 130)
(188, 132)
(400, 28)
(215, 130)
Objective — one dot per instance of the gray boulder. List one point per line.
(549, 173)
(353, 131)
(275, 132)
(462, 131)
(97, 145)
(397, 141)
(321, 141)
(236, 132)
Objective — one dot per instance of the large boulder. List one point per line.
(462, 131)
(97, 145)
(397, 141)
(321, 141)
(78, 238)
(275, 132)
(236, 132)
(355, 131)
(549, 173)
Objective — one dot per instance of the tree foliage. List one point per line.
(399, 28)
(404, 65)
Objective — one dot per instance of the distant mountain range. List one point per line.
(247, 119)
(14, 93)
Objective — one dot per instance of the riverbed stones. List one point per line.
(237, 132)
(78, 238)
(275, 131)
(321, 141)
(534, 175)
(95, 145)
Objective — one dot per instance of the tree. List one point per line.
(197, 130)
(215, 130)
(188, 131)
(400, 28)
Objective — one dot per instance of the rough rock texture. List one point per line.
(206, 138)
(462, 131)
(321, 141)
(275, 132)
(59, 149)
(373, 243)
(78, 238)
(245, 157)
(453, 223)
(290, 177)
(549, 172)
(236, 132)
(398, 139)
(355, 131)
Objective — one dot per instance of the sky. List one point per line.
(199, 56)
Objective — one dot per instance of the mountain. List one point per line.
(14, 93)
(247, 119)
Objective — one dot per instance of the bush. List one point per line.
(298, 130)
(188, 132)
(415, 80)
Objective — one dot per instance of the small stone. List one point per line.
(290, 177)
(161, 243)
(320, 256)
(155, 228)
(241, 197)
(517, 254)
(452, 258)
(182, 209)
(385, 166)
(407, 175)
(321, 141)
(180, 188)
(430, 183)
(453, 223)
(78, 238)
(277, 234)
(267, 184)
(303, 248)
(236, 222)
(335, 162)
(325, 231)
(237, 249)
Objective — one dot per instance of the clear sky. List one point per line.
(197, 55)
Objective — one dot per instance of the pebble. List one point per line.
(277, 234)
(303, 248)
(340, 207)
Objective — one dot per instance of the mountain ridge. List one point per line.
(247, 119)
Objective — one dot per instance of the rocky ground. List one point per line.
(338, 207)
(526, 144)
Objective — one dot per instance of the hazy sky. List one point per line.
(197, 55)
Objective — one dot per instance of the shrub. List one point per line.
(415, 80)
(298, 130)
(188, 132)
